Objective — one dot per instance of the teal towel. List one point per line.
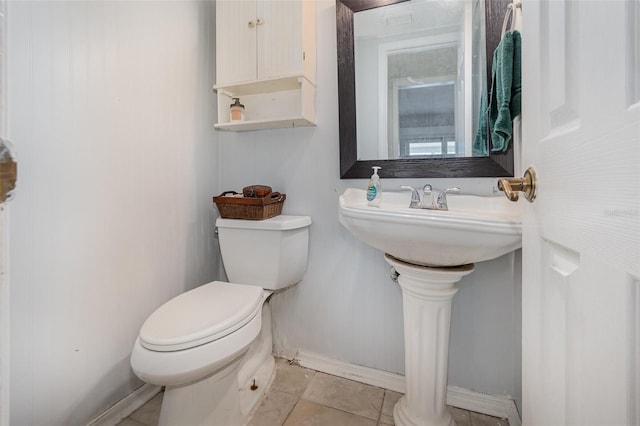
(480, 141)
(506, 90)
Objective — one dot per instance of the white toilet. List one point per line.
(212, 346)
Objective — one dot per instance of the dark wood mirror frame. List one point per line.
(496, 165)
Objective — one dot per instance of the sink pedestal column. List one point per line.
(426, 297)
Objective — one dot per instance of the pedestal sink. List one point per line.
(431, 250)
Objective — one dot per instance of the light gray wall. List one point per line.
(346, 307)
(111, 111)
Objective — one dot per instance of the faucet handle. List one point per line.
(426, 190)
(442, 197)
(452, 190)
(415, 196)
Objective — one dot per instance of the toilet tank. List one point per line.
(270, 253)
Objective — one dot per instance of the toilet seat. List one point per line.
(200, 316)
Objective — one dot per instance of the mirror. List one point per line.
(417, 78)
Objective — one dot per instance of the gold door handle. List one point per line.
(525, 184)
(8, 171)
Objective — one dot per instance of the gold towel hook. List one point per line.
(525, 184)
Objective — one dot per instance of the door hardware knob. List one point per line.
(251, 24)
(8, 170)
(525, 184)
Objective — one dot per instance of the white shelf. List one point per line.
(244, 126)
(291, 105)
(262, 86)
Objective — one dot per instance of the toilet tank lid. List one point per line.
(278, 223)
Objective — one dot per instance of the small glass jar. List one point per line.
(236, 110)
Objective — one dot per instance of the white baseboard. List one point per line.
(492, 405)
(370, 376)
(126, 406)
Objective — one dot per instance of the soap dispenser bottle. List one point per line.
(374, 189)
(236, 110)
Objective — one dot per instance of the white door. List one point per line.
(235, 41)
(7, 156)
(279, 45)
(4, 313)
(581, 237)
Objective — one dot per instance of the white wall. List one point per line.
(346, 308)
(111, 110)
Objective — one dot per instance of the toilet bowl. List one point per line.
(211, 346)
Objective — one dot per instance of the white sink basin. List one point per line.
(474, 229)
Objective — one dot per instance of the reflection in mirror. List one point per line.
(420, 94)
(420, 72)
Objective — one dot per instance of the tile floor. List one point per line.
(300, 397)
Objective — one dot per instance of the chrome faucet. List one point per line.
(427, 200)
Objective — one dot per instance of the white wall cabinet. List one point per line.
(266, 56)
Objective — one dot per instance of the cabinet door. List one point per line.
(235, 41)
(279, 48)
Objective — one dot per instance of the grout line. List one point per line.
(340, 409)
(291, 362)
(299, 397)
(384, 397)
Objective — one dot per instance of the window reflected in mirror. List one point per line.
(422, 114)
(425, 117)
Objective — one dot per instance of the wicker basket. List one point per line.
(233, 205)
